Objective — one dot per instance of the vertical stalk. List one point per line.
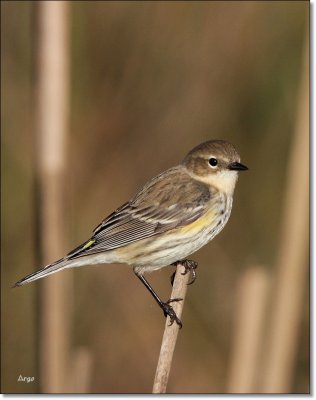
(292, 260)
(171, 332)
(248, 338)
(52, 102)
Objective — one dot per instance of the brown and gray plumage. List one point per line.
(171, 217)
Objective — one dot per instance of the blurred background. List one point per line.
(137, 85)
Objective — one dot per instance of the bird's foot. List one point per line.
(190, 266)
(169, 311)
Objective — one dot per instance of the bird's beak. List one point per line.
(236, 166)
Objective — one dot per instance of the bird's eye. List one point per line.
(213, 162)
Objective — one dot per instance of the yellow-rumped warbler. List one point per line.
(171, 217)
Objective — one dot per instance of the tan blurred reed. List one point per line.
(248, 337)
(52, 108)
(292, 263)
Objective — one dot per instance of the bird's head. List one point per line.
(215, 162)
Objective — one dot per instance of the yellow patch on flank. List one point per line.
(200, 223)
(88, 244)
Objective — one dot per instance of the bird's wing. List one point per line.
(172, 199)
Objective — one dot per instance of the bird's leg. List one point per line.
(189, 265)
(166, 307)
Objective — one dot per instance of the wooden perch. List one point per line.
(170, 335)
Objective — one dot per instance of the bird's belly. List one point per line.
(162, 250)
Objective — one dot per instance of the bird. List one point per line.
(172, 216)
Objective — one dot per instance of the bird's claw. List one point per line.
(190, 266)
(169, 311)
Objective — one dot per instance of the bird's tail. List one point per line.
(49, 269)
